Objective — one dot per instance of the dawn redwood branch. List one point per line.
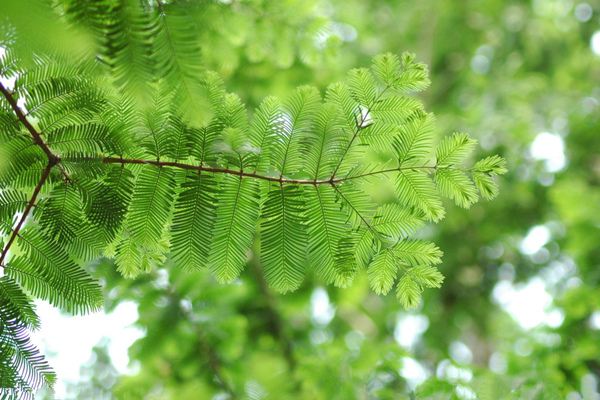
(118, 160)
(241, 173)
(37, 138)
(26, 212)
(53, 159)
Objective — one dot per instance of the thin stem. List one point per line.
(359, 126)
(118, 160)
(26, 212)
(241, 173)
(354, 209)
(384, 171)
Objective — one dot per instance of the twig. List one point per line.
(26, 212)
(53, 159)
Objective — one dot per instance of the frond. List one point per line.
(107, 201)
(193, 221)
(237, 215)
(363, 87)
(401, 74)
(417, 252)
(16, 305)
(382, 272)
(283, 237)
(22, 368)
(178, 59)
(61, 213)
(298, 116)
(326, 143)
(414, 141)
(148, 215)
(396, 221)
(483, 173)
(357, 205)
(454, 149)
(328, 231)
(45, 270)
(457, 186)
(11, 202)
(416, 189)
(266, 127)
(412, 283)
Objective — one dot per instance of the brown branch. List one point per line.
(37, 138)
(53, 159)
(241, 173)
(26, 212)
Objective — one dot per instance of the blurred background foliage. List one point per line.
(518, 316)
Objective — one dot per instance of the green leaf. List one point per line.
(149, 213)
(486, 185)
(328, 231)
(454, 149)
(193, 221)
(427, 276)
(402, 74)
(266, 127)
(408, 292)
(46, 271)
(415, 189)
(61, 214)
(108, 200)
(362, 86)
(298, 116)
(457, 186)
(396, 221)
(417, 252)
(16, 305)
(494, 165)
(414, 141)
(237, 214)
(283, 237)
(382, 271)
(326, 145)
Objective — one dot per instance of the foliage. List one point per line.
(189, 178)
(503, 71)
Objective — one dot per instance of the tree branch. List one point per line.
(241, 173)
(37, 138)
(53, 159)
(26, 212)
(117, 160)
